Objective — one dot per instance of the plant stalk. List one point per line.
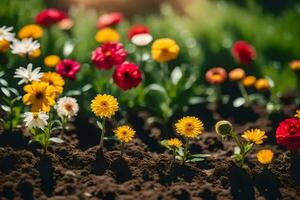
(102, 134)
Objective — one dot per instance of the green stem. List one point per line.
(102, 134)
(11, 117)
(164, 73)
(244, 93)
(298, 81)
(185, 151)
(174, 155)
(122, 149)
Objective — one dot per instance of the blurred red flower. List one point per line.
(68, 68)
(109, 19)
(243, 52)
(137, 29)
(288, 133)
(108, 55)
(127, 76)
(50, 16)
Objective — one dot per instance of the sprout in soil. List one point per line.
(124, 134)
(251, 137)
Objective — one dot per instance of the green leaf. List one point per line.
(99, 124)
(176, 75)
(180, 151)
(200, 155)
(6, 108)
(238, 102)
(56, 140)
(195, 160)
(5, 92)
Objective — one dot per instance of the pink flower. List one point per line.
(127, 76)
(68, 68)
(109, 19)
(50, 16)
(137, 29)
(108, 55)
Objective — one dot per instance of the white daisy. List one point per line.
(142, 39)
(67, 107)
(25, 46)
(6, 34)
(28, 75)
(35, 119)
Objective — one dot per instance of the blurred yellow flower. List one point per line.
(124, 133)
(40, 95)
(255, 135)
(265, 156)
(249, 81)
(107, 35)
(189, 127)
(262, 85)
(297, 114)
(55, 80)
(104, 105)
(33, 31)
(164, 50)
(35, 54)
(4, 46)
(237, 74)
(51, 61)
(295, 65)
(174, 143)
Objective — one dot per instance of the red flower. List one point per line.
(109, 54)
(50, 16)
(288, 133)
(137, 29)
(127, 76)
(68, 68)
(109, 19)
(243, 52)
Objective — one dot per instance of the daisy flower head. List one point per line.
(33, 31)
(104, 105)
(109, 20)
(124, 133)
(107, 35)
(265, 156)
(297, 115)
(68, 68)
(189, 127)
(255, 136)
(51, 61)
(40, 95)
(24, 46)
(164, 50)
(6, 34)
(35, 119)
(142, 39)
(174, 143)
(28, 75)
(55, 80)
(67, 107)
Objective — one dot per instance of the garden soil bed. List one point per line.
(77, 169)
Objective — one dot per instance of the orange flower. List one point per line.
(4, 45)
(295, 65)
(262, 84)
(237, 74)
(249, 81)
(216, 75)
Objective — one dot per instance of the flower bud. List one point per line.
(223, 128)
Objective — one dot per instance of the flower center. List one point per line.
(104, 104)
(189, 126)
(68, 107)
(124, 132)
(35, 115)
(39, 95)
(108, 53)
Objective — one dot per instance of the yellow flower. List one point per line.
(255, 135)
(31, 31)
(51, 61)
(189, 127)
(164, 50)
(297, 114)
(262, 85)
(295, 65)
(237, 74)
(35, 54)
(55, 80)
(107, 35)
(249, 81)
(265, 156)
(124, 133)
(174, 143)
(40, 95)
(4, 46)
(104, 105)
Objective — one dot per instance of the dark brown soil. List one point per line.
(77, 169)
